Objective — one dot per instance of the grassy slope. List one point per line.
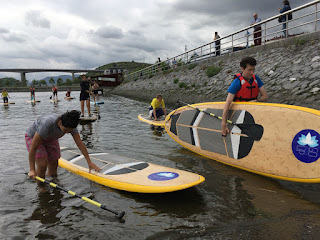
(129, 66)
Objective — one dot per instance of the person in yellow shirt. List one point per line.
(5, 96)
(157, 108)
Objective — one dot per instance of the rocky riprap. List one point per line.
(290, 70)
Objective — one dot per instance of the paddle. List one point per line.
(104, 207)
(253, 130)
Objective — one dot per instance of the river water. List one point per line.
(230, 204)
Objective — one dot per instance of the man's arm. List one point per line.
(164, 111)
(227, 105)
(264, 95)
(84, 151)
(155, 114)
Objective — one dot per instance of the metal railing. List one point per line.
(305, 18)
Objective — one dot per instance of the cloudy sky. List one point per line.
(87, 34)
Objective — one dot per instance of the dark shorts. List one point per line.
(5, 99)
(159, 112)
(55, 93)
(84, 96)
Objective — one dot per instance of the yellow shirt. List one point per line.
(156, 104)
(4, 94)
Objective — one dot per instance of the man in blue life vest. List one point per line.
(244, 88)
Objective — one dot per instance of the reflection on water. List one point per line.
(86, 135)
(48, 206)
(230, 204)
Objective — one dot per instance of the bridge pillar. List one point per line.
(23, 79)
(72, 77)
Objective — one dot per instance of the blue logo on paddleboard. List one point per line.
(306, 146)
(163, 176)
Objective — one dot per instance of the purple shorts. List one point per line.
(50, 150)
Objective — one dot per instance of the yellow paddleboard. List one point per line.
(69, 98)
(88, 119)
(128, 174)
(274, 140)
(145, 118)
(5, 104)
(32, 101)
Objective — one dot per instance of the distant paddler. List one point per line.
(85, 95)
(54, 92)
(68, 94)
(157, 108)
(32, 93)
(43, 144)
(95, 89)
(5, 96)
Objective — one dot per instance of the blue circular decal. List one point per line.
(163, 176)
(306, 146)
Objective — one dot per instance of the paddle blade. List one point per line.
(120, 215)
(254, 131)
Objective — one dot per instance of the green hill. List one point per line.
(129, 66)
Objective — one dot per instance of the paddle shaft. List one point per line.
(211, 114)
(104, 207)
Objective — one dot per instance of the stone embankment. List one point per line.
(290, 70)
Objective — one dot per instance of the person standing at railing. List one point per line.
(159, 64)
(217, 43)
(257, 29)
(283, 19)
(174, 63)
(168, 62)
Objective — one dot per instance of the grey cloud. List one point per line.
(227, 13)
(14, 37)
(109, 32)
(231, 7)
(35, 19)
(4, 30)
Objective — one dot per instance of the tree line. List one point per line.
(12, 82)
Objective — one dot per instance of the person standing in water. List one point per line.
(5, 95)
(55, 92)
(43, 144)
(157, 108)
(32, 93)
(95, 89)
(245, 87)
(85, 95)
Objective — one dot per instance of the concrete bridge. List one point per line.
(23, 71)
